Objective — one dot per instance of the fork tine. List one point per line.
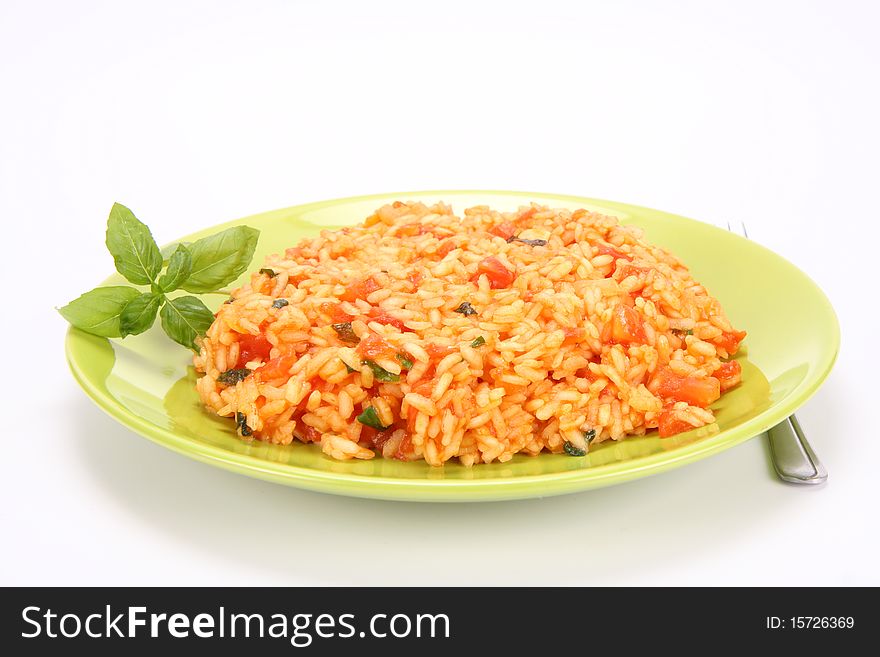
(742, 225)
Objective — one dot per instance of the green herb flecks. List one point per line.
(280, 303)
(345, 333)
(381, 374)
(269, 272)
(466, 309)
(231, 377)
(241, 424)
(201, 267)
(479, 342)
(589, 435)
(525, 241)
(573, 450)
(405, 362)
(370, 418)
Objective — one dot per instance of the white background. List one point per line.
(193, 113)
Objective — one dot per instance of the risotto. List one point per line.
(424, 335)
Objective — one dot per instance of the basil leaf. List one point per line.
(168, 251)
(185, 318)
(381, 374)
(220, 259)
(179, 267)
(370, 418)
(404, 361)
(132, 246)
(139, 314)
(97, 312)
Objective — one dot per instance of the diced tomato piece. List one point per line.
(573, 335)
(375, 437)
(729, 374)
(403, 450)
(445, 247)
(310, 434)
(337, 314)
(499, 276)
(373, 346)
(368, 434)
(277, 368)
(416, 278)
(690, 389)
(398, 204)
(423, 387)
(252, 347)
(626, 268)
(669, 424)
(438, 351)
(527, 214)
(504, 230)
(729, 340)
(627, 326)
(379, 315)
(360, 289)
(607, 249)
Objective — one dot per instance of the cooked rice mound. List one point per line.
(423, 335)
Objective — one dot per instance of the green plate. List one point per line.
(146, 381)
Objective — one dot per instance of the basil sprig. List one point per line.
(201, 267)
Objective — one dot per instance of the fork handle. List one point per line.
(792, 456)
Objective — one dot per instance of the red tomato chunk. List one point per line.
(669, 424)
(504, 230)
(252, 347)
(360, 289)
(277, 368)
(373, 346)
(729, 374)
(729, 340)
(499, 276)
(379, 315)
(690, 389)
(626, 326)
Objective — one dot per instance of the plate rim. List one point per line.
(483, 490)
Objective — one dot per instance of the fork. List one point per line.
(793, 458)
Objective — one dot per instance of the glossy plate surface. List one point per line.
(146, 382)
